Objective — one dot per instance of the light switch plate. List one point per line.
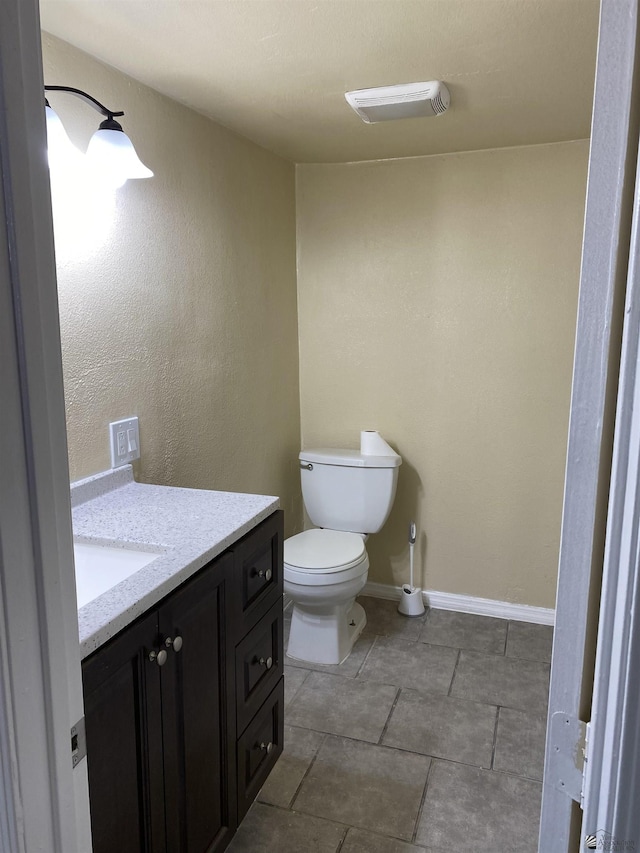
(124, 437)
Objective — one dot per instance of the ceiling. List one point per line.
(520, 72)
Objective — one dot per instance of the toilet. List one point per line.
(347, 495)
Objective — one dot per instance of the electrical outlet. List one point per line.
(124, 439)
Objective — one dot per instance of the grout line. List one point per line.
(517, 776)
(455, 670)
(289, 810)
(300, 686)
(409, 752)
(391, 710)
(342, 840)
(416, 823)
(366, 657)
(347, 826)
(307, 771)
(495, 738)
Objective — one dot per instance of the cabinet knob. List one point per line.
(268, 662)
(158, 657)
(267, 575)
(267, 747)
(176, 643)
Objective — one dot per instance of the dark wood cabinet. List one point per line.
(196, 693)
(124, 736)
(184, 707)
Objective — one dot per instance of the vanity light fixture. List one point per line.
(110, 151)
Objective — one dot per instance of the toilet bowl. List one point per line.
(348, 495)
(324, 570)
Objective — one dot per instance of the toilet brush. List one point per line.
(411, 603)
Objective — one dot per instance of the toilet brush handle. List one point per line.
(412, 542)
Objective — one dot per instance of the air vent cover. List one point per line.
(406, 100)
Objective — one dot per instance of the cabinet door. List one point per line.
(198, 727)
(124, 743)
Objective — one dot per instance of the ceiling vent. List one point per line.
(407, 100)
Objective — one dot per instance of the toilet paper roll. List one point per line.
(373, 444)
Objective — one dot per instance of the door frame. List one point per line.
(605, 258)
(43, 802)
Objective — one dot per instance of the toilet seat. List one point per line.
(316, 556)
(320, 550)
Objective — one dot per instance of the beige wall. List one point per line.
(181, 306)
(437, 301)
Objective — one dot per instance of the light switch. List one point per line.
(132, 435)
(124, 441)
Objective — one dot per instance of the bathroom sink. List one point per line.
(100, 567)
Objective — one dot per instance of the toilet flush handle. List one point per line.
(307, 466)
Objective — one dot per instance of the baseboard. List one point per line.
(468, 604)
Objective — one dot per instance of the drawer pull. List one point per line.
(267, 575)
(267, 662)
(158, 657)
(176, 643)
(267, 747)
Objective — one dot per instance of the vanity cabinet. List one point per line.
(183, 708)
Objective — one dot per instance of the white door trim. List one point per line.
(613, 790)
(602, 285)
(40, 681)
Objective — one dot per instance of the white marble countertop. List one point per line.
(189, 527)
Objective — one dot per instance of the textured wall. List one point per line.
(437, 300)
(179, 304)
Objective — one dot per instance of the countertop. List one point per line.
(188, 527)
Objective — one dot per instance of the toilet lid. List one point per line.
(320, 550)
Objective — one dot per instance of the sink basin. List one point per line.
(100, 567)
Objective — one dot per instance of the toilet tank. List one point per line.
(347, 490)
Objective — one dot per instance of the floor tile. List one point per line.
(465, 631)
(369, 787)
(520, 743)
(384, 620)
(359, 841)
(266, 829)
(468, 808)
(348, 668)
(342, 706)
(294, 678)
(516, 683)
(529, 641)
(300, 748)
(442, 727)
(410, 664)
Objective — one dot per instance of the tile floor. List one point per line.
(429, 737)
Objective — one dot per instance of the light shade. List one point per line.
(60, 149)
(112, 155)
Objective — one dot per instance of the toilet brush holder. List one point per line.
(411, 603)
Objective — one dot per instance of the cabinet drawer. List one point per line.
(259, 659)
(259, 748)
(258, 565)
